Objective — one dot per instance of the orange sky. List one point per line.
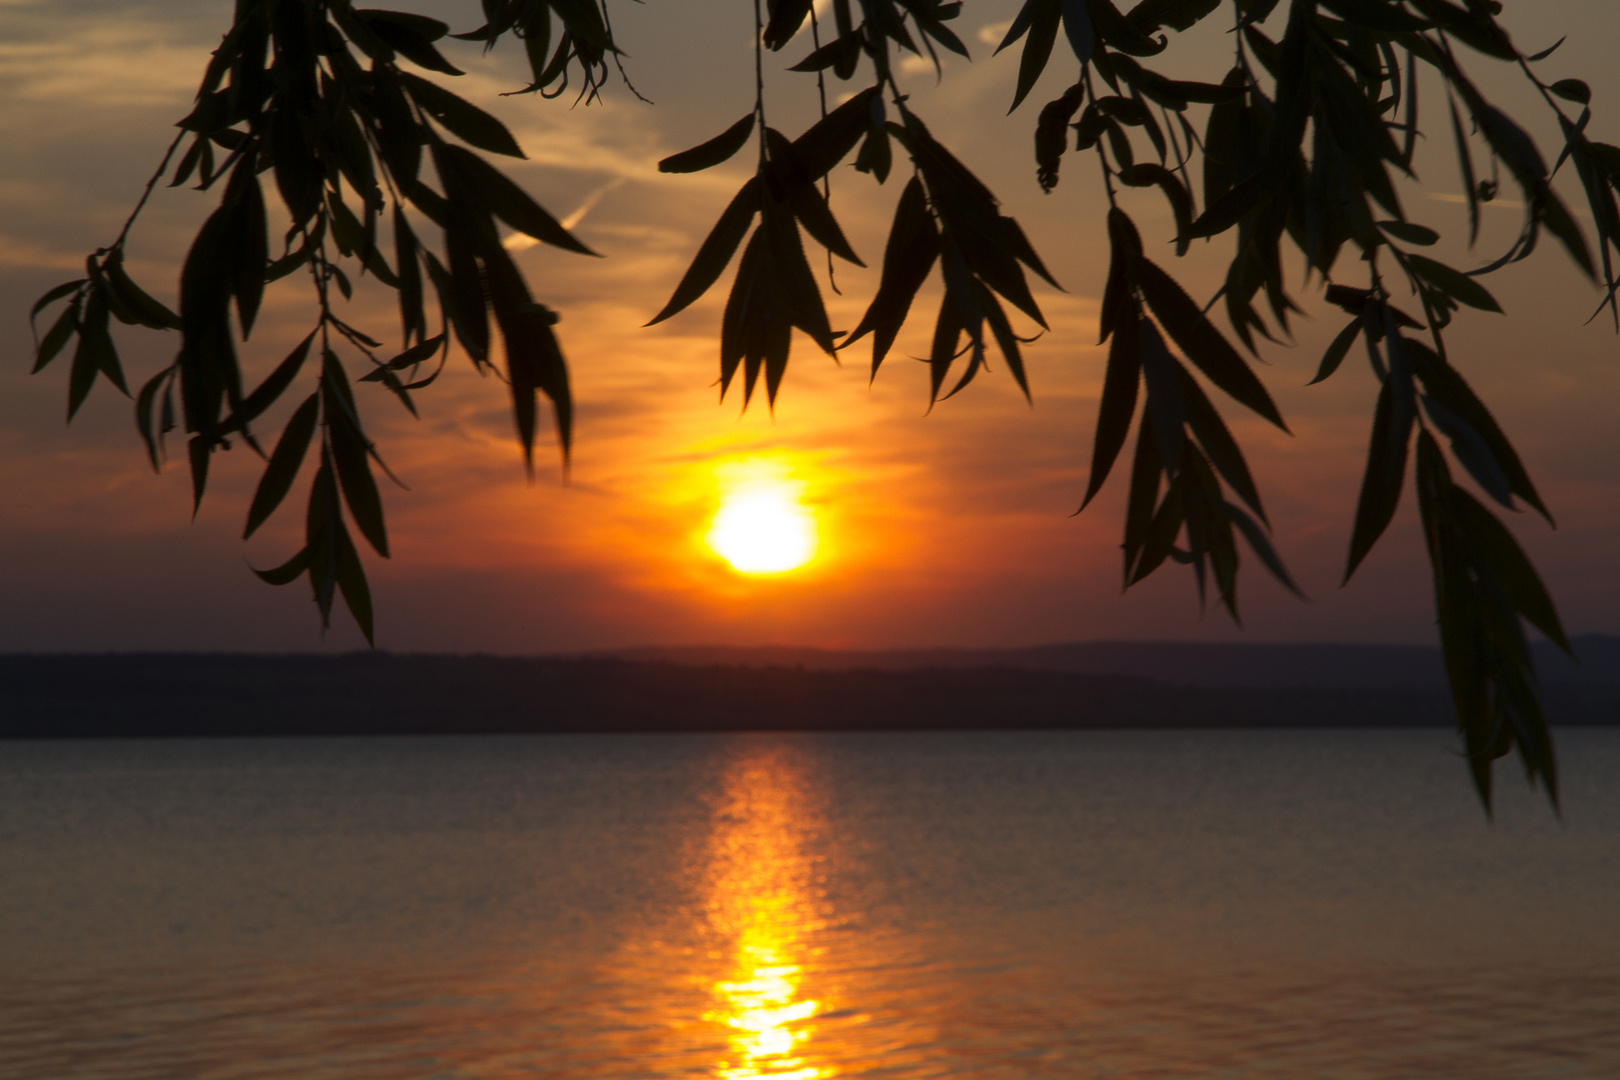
(946, 528)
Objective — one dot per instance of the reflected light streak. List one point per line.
(760, 899)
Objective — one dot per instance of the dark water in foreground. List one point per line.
(1079, 904)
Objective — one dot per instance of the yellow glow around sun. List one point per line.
(762, 527)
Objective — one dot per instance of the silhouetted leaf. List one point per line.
(1040, 18)
(144, 404)
(65, 326)
(1202, 342)
(462, 119)
(1077, 26)
(1118, 402)
(322, 519)
(144, 310)
(1052, 134)
(1217, 442)
(1160, 539)
(1412, 234)
(1261, 543)
(1146, 469)
(1544, 53)
(1118, 31)
(1149, 15)
(909, 257)
(835, 52)
(1447, 386)
(1385, 473)
(249, 247)
(95, 354)
(829, 140)
(351, 581)
(1572, 90)
(1162, 375)
(793, 284)
(1145, 173)
(288, 572)
(269, 391)
(350, 455)
(715, 253)
(1556, 217)
(472, 327)
(1501, 554)
(412, 36)
(534, 361)
(198, 454)
(1335, 354)
(1125, 247)
(282, 469)
(1453, 283)
(412, 318)
(1229, 208)
(1471, 450)
(711, 153)
(505, 199)
(1376, 15)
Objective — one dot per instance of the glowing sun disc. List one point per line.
(763, 531)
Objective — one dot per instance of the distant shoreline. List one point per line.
(199, 695)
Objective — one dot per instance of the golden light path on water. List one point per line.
(760, 899)
(769, 962)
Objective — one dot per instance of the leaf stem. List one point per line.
(147, 192)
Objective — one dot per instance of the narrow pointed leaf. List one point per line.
(1044, 17)
(1381, 483)
(351, 582)
(506, 200)
(1117, 405)
(1447, 386)
(288, 572)
(1202, 342)
(270, 391)
(1077, 26)
(1162, 375)
(1261, 543)
(351, 456)
(1454, 283)
(61, 331)
(1217, 442)
(462, 119)
(716, 252)
(1501, 554)
(711, 153)
(1337, 350)
(284, 464)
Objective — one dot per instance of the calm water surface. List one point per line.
(1075, 904)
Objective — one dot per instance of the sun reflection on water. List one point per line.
(762, 904)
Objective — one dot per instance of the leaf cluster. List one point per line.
(314, 102)
(1302, 146)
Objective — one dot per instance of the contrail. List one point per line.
(523, 241)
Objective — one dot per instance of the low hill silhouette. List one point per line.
(135, 695)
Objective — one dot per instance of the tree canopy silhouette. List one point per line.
(341, 114)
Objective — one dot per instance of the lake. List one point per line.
(1042, 904)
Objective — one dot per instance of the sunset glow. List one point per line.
(849, 514)
(762, 527)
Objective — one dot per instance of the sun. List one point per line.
(762, 527)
